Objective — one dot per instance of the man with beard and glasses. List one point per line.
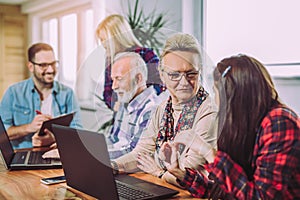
(27, 104)
(137, 102)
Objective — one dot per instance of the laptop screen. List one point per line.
(87, 167)
(85, 161)
(5, 145)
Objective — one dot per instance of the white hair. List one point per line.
(137, 64)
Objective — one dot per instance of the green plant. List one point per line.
(147, 28)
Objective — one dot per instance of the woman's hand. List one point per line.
(199, 145)
(147, 163)
(165, 152)
(172, 163)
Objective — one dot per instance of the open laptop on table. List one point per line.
(23, 159)
(87, 167)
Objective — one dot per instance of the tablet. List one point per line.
(63, 120)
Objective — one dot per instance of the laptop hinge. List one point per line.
(3, 160)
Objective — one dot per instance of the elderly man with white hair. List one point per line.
(136, 102)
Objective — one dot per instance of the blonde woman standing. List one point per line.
(116, 35)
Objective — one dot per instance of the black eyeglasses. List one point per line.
(44, 66)
(176, 76)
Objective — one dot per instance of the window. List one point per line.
(69, 47)
(265, 29)
(64, 32)
(50, 33)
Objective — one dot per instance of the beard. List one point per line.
(127, 95)
(44, 78)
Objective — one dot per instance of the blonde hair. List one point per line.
(119, 34)
(182, 42)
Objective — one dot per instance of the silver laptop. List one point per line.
(25, 159)
(87, 168)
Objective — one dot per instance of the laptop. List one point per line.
(64, 120)
(22, 160)
(87, 168)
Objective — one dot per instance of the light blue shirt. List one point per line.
(21, 100)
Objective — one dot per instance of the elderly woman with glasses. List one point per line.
(187, 113)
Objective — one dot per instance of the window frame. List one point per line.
(269, 65)
(40, 13)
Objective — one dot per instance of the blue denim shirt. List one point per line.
(21, 100)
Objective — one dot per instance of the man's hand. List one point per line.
(45, 140)
(53, 153)
(37, 122)
(15, 132)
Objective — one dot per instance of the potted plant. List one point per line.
(148, 29)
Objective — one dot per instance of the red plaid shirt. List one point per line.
(276, 164)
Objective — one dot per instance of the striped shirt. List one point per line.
(130, 121)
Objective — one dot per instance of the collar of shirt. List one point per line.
(141, 98)
(55, 86)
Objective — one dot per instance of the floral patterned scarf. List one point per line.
(185, 121)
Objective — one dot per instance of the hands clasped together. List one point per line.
(170, 157)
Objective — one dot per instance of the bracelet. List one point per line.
(162, 173)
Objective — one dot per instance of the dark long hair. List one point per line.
(246, 93)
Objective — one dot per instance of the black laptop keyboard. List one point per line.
(19, 158)
(127, 192)
(36, 158)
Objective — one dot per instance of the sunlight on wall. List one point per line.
(266, 30)
(69, 47)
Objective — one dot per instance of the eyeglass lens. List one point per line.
(177, 76)
(45, 66)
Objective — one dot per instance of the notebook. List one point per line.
(22, 160)
(64, 120)
(87, 168)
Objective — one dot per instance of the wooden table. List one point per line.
(25, 184)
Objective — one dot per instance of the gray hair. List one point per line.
(137, 64)
(182, 42)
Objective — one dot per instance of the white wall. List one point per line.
(289, 92)
(266, 29)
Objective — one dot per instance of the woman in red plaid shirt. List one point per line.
(258, 154)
